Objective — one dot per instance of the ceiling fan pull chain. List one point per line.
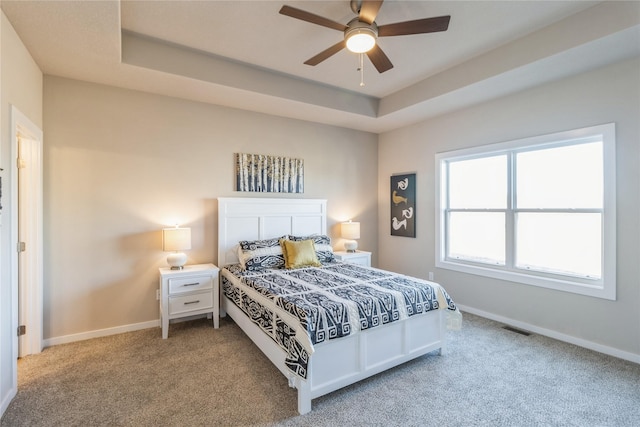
(361, 69)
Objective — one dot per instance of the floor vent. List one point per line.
(517, 331)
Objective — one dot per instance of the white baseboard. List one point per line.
(7, 399)
(65, 339)
(100, 333)
(611, 351)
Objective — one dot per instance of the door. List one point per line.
(29, 246)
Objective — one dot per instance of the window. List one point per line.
(539, 211)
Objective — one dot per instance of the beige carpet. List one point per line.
(206, 377)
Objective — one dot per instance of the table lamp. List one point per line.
(351, 231)
(176, 240)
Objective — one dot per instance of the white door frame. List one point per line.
(27, 277)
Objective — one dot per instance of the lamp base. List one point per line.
(177, 260)
(350, 246)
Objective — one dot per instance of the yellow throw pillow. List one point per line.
(299, 254)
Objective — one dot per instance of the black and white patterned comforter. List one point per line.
(303, 307)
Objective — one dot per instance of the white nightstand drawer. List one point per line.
(189, 284)
(358, 257)
(361, 260)
(192, 302)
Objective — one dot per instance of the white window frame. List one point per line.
(605, 287)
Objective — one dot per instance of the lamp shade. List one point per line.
(176, 239)
(350, 230)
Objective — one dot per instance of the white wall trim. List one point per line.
(65, 339)
(611, 351)
(8, 398)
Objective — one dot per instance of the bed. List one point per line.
(329, 354)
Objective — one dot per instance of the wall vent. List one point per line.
(516, 330)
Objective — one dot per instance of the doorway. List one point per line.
(26, 229)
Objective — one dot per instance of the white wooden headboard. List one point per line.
(242, 218)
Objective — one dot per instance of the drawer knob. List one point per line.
(192, 302)
(191, 284)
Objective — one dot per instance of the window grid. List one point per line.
(511, 213)
(510, 218)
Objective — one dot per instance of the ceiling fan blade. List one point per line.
(419, 26)
(310, 17)
(369, 11)
(379, 59)
(326, 53)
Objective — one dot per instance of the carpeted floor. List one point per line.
(205, 377)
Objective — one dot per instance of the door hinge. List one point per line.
(20, 163)
(22, 246)
(22, 330)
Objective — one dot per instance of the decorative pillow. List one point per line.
(260, 254)
(322, 243)
(299, 254)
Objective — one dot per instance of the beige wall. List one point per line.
(120, 165)
(610, 94)
(21, 86)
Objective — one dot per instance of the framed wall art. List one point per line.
(403, 205)
(272, 174)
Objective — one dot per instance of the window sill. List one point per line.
(597, 289)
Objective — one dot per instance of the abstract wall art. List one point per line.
(403, 205)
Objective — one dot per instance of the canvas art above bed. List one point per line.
(269, 174)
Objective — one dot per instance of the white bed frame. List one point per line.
(334, 364)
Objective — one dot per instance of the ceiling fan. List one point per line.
(362, 32)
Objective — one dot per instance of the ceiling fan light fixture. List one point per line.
(360, 37)
(361, 41)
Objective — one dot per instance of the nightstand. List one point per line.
(357, 257)
(187, 292)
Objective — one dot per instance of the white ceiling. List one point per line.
(244, 54)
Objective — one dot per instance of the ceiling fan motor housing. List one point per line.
(355, 6)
